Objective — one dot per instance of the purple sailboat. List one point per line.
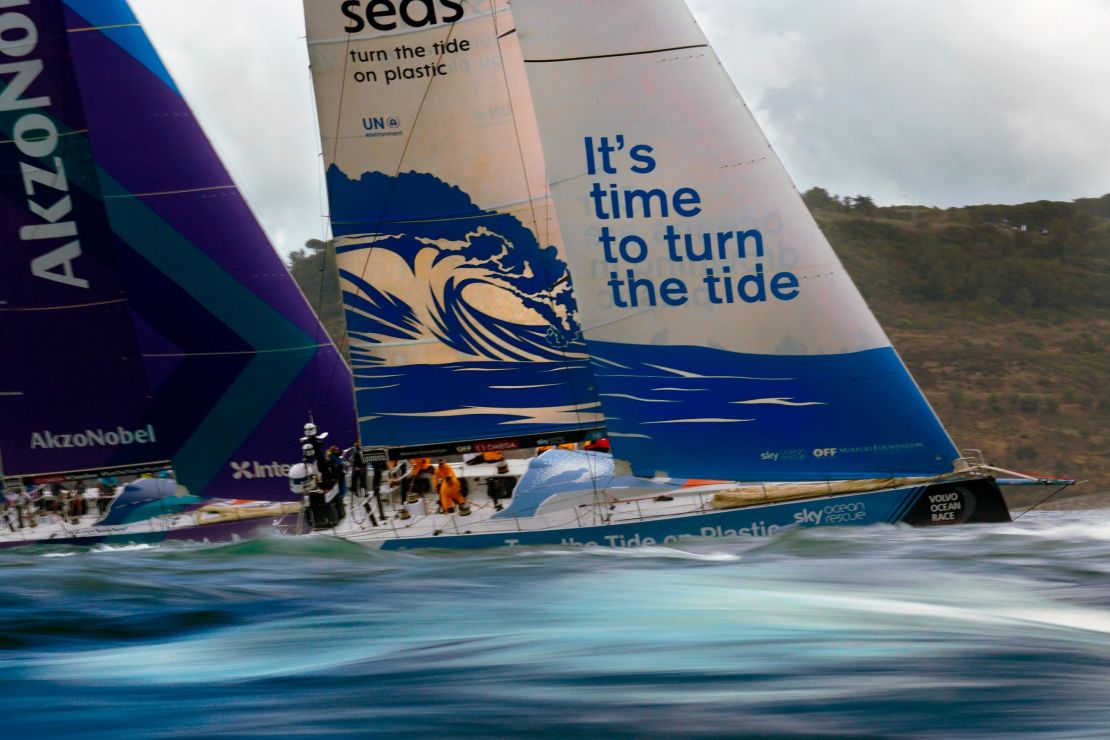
(149, 323)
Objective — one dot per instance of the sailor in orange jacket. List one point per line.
(449, 488)
(418, 484)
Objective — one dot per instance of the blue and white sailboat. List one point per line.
(477, 157)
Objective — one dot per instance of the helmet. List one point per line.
(308, 451)
(310, 429)
(300, 478)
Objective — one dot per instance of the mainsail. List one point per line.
(64, 314)
(460, 315)
(728, 339)
(190, 329)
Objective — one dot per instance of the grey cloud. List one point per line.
(941, 102)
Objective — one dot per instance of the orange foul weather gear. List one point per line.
(450, 490)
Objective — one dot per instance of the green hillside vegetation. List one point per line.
(1005, 328)
(314, 270)
(1001, 313)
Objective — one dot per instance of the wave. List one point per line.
(465, 282)
(708, 420)
(779, 402)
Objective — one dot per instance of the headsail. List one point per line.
(728, 339)
(234, 358)
(459, 311)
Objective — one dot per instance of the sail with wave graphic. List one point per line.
(460, 310)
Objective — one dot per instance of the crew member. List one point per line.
(379, 470)
(334, 464)
(358, 470)
(449, 489)
(420, 484)
(315, 439)
(479, 458)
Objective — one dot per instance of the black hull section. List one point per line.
(977, 501)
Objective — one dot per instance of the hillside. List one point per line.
(1006, 329)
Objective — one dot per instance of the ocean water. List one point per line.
(973, 631)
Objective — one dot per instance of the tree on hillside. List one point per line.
(864, 205)
(818, 199)
(314, 270)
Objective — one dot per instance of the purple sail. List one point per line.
(73, 391)
(233, 359)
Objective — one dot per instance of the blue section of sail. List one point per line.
(473, 333)
(424, 404)
(113, 18)
(414, 212)
(709, 413)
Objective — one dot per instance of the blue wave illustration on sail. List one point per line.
(479, 282)
(456, 315)
(705, 412)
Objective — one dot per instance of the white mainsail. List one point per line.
(734, 343)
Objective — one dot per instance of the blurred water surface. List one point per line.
(880, 631)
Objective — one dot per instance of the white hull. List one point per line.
(625, 516)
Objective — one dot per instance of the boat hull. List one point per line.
(146, 532)
(965, 501)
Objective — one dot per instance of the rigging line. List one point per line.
(527, 185)
(516, 124)
(300, 348)
(91, 304)
(325, 227)
(324, 257)
(74, 132)
(616, 54)
(171, 192)
(104, 28)
(404, 149)
(564, 351)
(1042, 502)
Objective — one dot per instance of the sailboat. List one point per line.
(559, 221)
(150, 325)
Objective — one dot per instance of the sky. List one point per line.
(931, 102)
